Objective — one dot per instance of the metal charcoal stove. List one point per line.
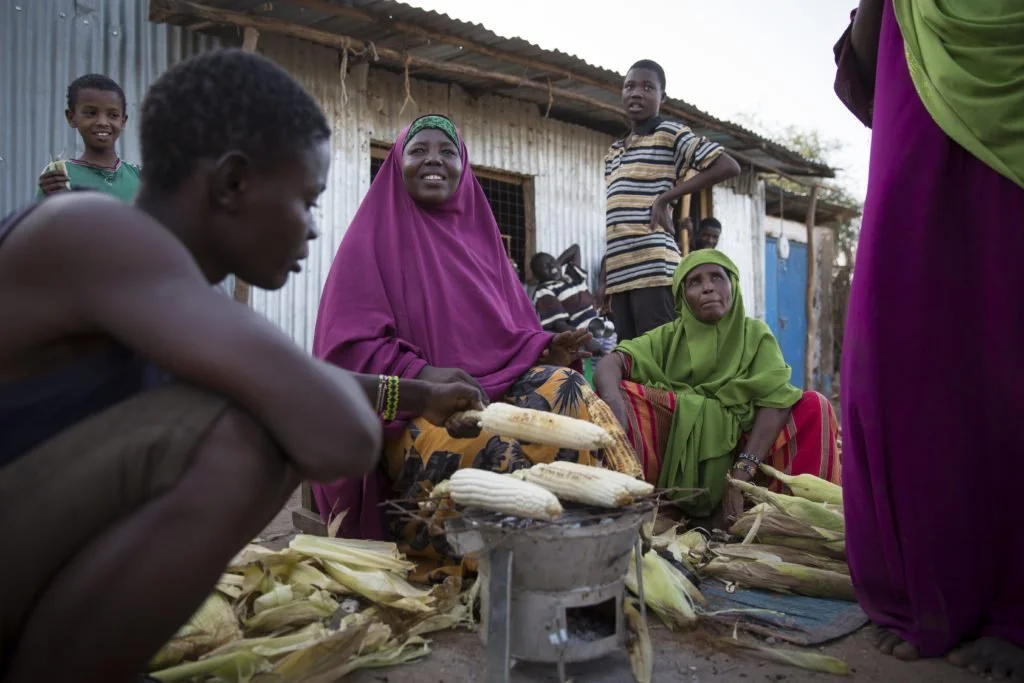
(551, 592)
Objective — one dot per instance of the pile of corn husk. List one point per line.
(311, 613)
(784, 543)
(790, 543)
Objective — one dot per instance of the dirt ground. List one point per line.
(458, 657)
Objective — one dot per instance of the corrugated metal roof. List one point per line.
(429, 35)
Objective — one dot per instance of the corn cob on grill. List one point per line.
(588, 486)
(637, 488)
(508, 495)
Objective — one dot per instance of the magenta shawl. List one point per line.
(929, 407)
(413, 286)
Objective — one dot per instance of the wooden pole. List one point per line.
(812, 277)
(249, 40)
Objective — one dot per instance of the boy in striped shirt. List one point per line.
(645, 177)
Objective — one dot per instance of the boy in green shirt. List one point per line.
(96, 109)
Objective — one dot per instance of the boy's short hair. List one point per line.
(710, 222)
(94, 82)
(651, 65)
(220, 101)
(535, 262)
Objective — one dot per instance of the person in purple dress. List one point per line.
(933, 378)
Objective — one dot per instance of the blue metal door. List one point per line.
(785, 305)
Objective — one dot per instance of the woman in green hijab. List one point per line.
(708, 395)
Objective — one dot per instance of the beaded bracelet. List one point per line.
(751, 458)
(391, 399)
(745, 467)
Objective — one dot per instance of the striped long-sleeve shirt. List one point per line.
(637, 170)
(567, 300)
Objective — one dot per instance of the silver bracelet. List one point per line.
(382, 382)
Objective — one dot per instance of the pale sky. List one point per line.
(730, 58)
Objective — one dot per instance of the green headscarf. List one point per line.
(435, 121)
(720, 373)
(967, 63)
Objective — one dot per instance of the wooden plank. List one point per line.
(812, 276)
(250, 37)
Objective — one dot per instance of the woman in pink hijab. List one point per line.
(422, 288)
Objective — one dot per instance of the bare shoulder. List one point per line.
(78, 251)
(85, 231)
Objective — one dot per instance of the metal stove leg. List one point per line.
(640, 578)
(562, 635)
(498, 615)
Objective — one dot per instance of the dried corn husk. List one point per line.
(230, 585)
(775, 553)
(272, 647)
(306, 574)
(638, 643)
(358, 554)
(280, 595)
(832, 549)
(666, 590)
(319, 605)
(812, 661)
(324, 662)
(776, 523)
(781, 577)
(804, 510)
(236, 667)
(253, 554)
(689, 548)
(807, 486)
(212, 625)
(381, 587)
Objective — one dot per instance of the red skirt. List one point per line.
(807, 444)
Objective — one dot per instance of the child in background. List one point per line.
(96, 109)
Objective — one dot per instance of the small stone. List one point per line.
(771, 641)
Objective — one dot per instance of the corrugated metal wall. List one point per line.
(48, 43)
(742, 218)
(565, 161)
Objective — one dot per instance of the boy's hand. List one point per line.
(660, 217)
(52, 182)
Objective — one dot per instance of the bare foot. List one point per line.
(888, 643)
(992, 657)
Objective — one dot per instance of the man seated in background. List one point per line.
(562, 298)
(708, 233)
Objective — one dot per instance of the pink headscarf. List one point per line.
(415, 285)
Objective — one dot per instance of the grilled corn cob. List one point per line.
(508, 495)
(619, 456)
(637, 488)
(807, 486)
(590, 487)
(539, 427)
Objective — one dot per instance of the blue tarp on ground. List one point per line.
(803, 620)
